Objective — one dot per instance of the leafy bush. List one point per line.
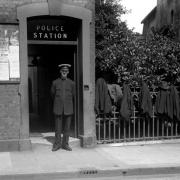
(130, 56)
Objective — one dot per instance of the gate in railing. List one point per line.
(113, 129)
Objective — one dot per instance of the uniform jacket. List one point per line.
(127, 103)
(63, 92)
(102, 100)
(115, 92)
(174, 100)
(145, 100)
(163, 105)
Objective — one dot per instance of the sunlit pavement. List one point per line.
(101, 161)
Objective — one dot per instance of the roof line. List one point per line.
(151, 12)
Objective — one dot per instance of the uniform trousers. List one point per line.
(58, 129)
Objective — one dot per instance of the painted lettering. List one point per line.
(59, 35)
(45, 36)
(40, 35)
(57, 28)
(51, 35)
(62, 28)
(50, 28)
(43, 28)
(38, 27)
(64, 36)
(35, 35)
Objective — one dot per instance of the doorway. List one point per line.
(86, 125)
(43, 61)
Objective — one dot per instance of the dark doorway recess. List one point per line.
(43, 61)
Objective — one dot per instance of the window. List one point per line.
(9, 53)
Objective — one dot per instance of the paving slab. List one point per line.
(103, 159)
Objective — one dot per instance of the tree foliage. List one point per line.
(128, 55)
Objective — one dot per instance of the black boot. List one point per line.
(57, 143)
(66, 147)
(56, 147)
(65, 144)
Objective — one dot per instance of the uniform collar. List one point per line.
(63, 79)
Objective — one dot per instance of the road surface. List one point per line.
(52, 177)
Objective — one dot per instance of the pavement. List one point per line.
(102, 160)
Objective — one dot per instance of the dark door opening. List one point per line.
(43, 61)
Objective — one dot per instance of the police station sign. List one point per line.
(50, 32)
(52, 28)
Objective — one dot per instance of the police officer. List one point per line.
(62, 91)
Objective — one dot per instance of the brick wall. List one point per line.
(9, 111)
(164, 14)
(10, 115)
(8, 9)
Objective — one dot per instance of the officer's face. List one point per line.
(64, 73)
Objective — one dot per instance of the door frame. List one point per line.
(59, 8)
(76, 75)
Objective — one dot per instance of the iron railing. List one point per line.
(113, 129)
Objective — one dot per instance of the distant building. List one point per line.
(149, 21)
(167, 12)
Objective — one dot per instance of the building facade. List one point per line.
(36, 36)
(167, 12)
(149, 21)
